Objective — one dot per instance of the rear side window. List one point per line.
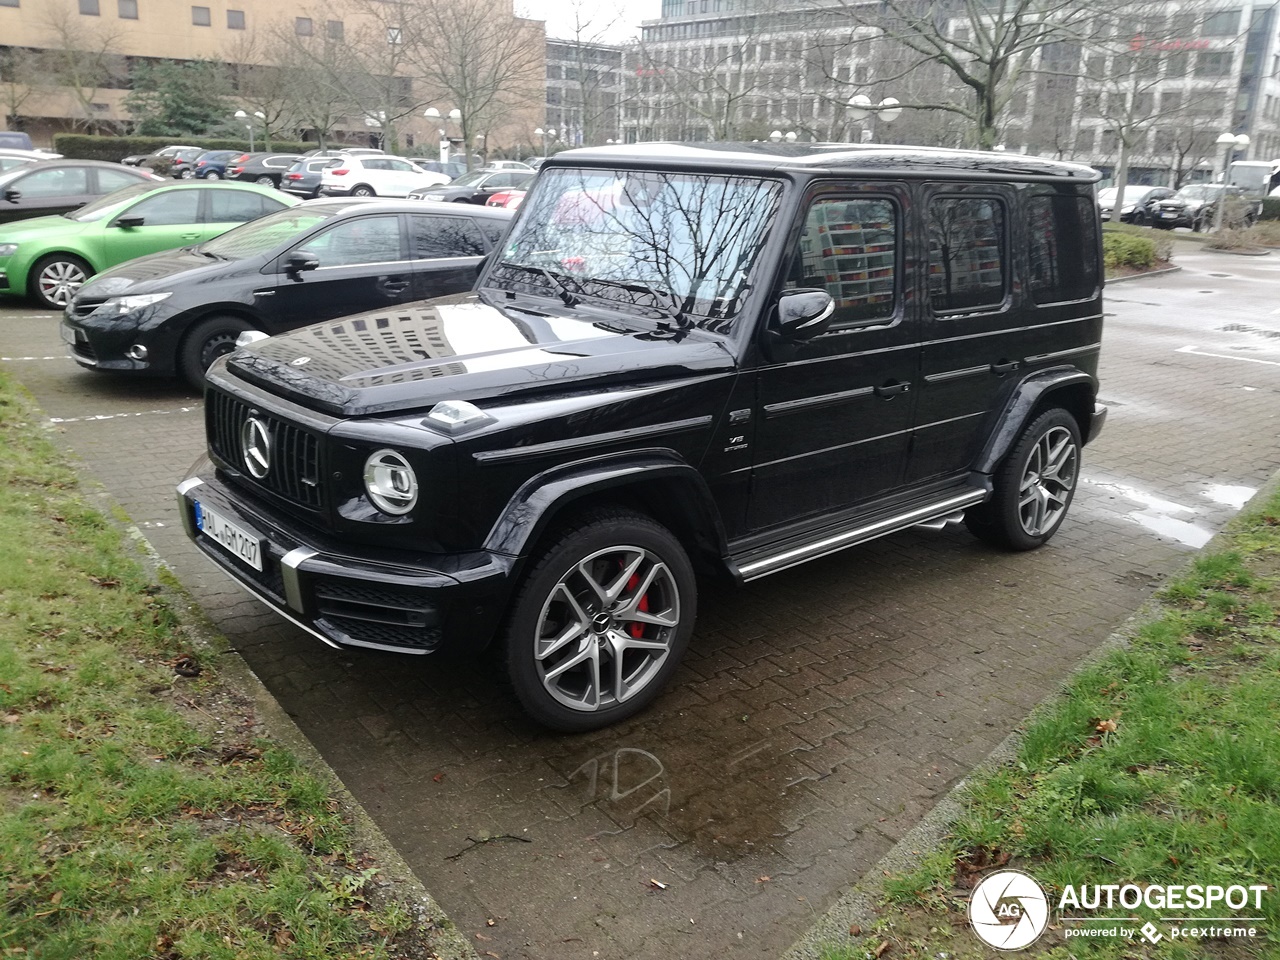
(235, 206)
(435, 237)
(849, 248)
(1063, 239)
(967, 256)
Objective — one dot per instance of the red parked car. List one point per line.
(507, 198)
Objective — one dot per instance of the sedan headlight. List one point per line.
(119, 306)
(431, 196)
(8, 249)
(390, 482)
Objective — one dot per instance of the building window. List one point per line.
(235, 19)
(393, 34)
(1224, 23)
(200, 17)
(89, 8)
(9, 3)
(334, 28)
(128, 9)
(302, 26)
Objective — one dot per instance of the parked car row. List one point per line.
(1194, 205)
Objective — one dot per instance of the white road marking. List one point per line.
(1225, 356)
(12, 359)
(120, 416)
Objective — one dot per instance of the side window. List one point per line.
(235, 206)
(373, 164)
(967, 253)
(168, 209)
(445, 237)
(1063, 241)
(400, 166)
(366, 240)
(849, 248)
(62, 182)
(493, 229)
(109, 180)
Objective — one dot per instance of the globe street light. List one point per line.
(1230, 143)
(861, 108)
(547, 136)
(454, 115)
(241, 115)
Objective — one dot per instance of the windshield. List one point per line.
(1199, 191)
(471, 179)
(265, 233)
(106, 206)
(681, 243)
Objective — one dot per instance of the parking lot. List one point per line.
(819, 712)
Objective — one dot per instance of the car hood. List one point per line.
(461, 348)
(156, 273)
(38, 228)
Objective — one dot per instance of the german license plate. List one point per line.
(232, 537)
(68, 335)
(1168, 215)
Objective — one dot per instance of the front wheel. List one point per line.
(1033, 487)
(362, 191)
(57, 278)
(213, 175)
(204, 343)
(600, 622)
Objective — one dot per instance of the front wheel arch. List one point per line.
(50, 255)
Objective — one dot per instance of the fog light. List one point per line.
(136, 352)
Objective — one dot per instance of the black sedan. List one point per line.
(56, 186)
(475, 187)
(267, 169)
(175, 313)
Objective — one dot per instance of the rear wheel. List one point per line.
(1033, 487)
(1139, 219)
(186, 174)
(600, 622)
(213, 175)
(211, 338)
(363, 190)
(55, 279)
(265, 180)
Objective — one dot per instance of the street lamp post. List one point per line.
(861, 108)
(548, 137)
(1230, 143)
(455, 116)
(249, 124)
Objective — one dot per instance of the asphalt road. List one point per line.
(819, 713)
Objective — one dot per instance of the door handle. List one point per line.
(394, 286)
(1005, 366)
(190, 236)
(890, 390)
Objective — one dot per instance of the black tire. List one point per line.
(265, 180)
(54, 279)
(363, 190)
(1139, 219)
(558, 601)
(1010, 517)
(204, 343)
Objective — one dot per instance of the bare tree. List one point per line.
(264, 84)
(82, 58)
(592, 81)
(24, 74)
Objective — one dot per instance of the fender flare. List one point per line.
(1078, 390)
(649, 474)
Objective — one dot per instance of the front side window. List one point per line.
(352, 242)
(435, 237)
(684, 245)
(1063, 240)
(850, 248)
(64, 182)
(966, 254)
(259, 236)
(167, 209)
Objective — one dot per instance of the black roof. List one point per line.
(846, 158)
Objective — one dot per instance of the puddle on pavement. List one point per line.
(1231, 496)
(1174, 521)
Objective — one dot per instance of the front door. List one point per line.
(45, 191)
(447, 251)
(363, 266)
(833, 421)
(170, 219)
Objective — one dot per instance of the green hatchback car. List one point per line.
(50, 258)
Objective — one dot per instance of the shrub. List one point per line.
(1230, 239)
(78, 146)
(1271, 208)
(1266, 232)
(1126, 250)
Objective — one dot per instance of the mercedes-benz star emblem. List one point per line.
(255, 447)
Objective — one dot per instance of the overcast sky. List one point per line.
(608, 21)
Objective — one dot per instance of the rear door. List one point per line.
(833, 422)
(447, 251)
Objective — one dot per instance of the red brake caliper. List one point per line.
(637, 629)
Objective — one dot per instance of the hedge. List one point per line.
(79, 146)
(1126, 250)
(1270, 208)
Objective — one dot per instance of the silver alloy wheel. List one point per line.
(606, 628)
(213, 175)
(186, 174)
(59, 281)
(1047, 482)
(265, 181)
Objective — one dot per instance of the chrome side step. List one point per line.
(934, 515)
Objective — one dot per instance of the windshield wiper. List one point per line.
(556, 280)
(671, 310)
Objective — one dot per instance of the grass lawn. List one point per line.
(1159, 765)
(142, 812)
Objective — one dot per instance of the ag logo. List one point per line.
(1008, 910)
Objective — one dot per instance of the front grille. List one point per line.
(295, 453)
(375, 613)
(82, 307)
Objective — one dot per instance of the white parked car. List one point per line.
(508, 165)
(374, 176)
(13, 157)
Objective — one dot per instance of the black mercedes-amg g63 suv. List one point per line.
(682, 358)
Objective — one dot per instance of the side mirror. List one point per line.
(13, 196)
(301, 260)
(803, 314)
(130, 222)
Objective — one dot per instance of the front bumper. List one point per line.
(343, 594)
(1097, 421)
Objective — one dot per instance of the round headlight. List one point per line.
(390, 482)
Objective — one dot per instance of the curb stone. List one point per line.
(858, 904)
(1172, 268)
(447, 942)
